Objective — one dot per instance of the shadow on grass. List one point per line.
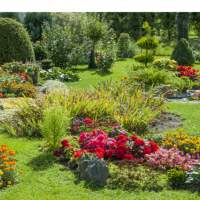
(42, 161)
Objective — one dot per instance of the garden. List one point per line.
(99, 106)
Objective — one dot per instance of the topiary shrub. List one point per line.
(123, 45)
(15, 42)
(183, 53)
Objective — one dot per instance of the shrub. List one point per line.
(26, 119)
(144, 58)
(46, 64)
(15, 42)
(183, 141)
(165, 63)
(176, 178)
(59, 74)
(170, 158)
(54, 125)
(8, 166)
(104, 60)
(193, 178)
(183, 53)
(123, 45)
(40, 51)
(130, 177)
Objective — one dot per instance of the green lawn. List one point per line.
(92, 77)
(190, 112)
(43, 179)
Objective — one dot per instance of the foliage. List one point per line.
(27, 71)
(130, 177)
(183, 141)
(170, 158)
(34, 23)
(144, 58)
(93, 170)
(66, 40)
(193, 178)
(26, 119)
(54, 125)
(123, 45)
(176, 178)
(8, 166)
(40, 51)
(165, 63)
(59, 74)
(12, 88)
(182, 23)
(46, 64)
(183, 53)
(15, 42)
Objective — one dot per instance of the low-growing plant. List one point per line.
(176, 178)
(131, 177)
(8, 166)
(183, 141)
(165, 63)
(165, 159)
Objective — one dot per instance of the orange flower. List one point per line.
(12, 153)
(9, 169)
(4, 157)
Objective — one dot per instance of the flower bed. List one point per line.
(7, 166)
(187, 71)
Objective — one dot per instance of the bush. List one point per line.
(183, 141)
(144, 58)
(183, 53)
(54, 125)
(8, 166)
(40, 52)
(104, 60)
(193, 178)
(59, 74)
(130, 177)
(123, 45)
(165, 63)
(46, 64)
(27, 72)
(26, 119)
(15, 42)
(176, 178)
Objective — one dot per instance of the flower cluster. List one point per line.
(119, 147)
(184, 142)
(170, 158)
(187, 71)
(7, 166)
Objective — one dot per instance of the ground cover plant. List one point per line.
(104, 128)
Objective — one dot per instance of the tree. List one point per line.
(183, 53)
(95, 32)
(34, 23)
(123, 45)
(182, 22)
(168, 24)
(147, 43)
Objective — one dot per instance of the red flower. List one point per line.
(79, 153)
(139, 142)
(57, 153)
(65, 143)
(87, 120)
(99, 152)
(1, 95)
(147, 150)
(128, 156)
(133, 137)
(154, 146)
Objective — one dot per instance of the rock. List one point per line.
(51, 85)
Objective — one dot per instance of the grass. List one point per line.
(43, 179)
(92, 77)
(190, 113)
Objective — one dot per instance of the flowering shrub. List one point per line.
(119, 147)
(184, 142)
(187, 71)
(7, 166)
(170, 158)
